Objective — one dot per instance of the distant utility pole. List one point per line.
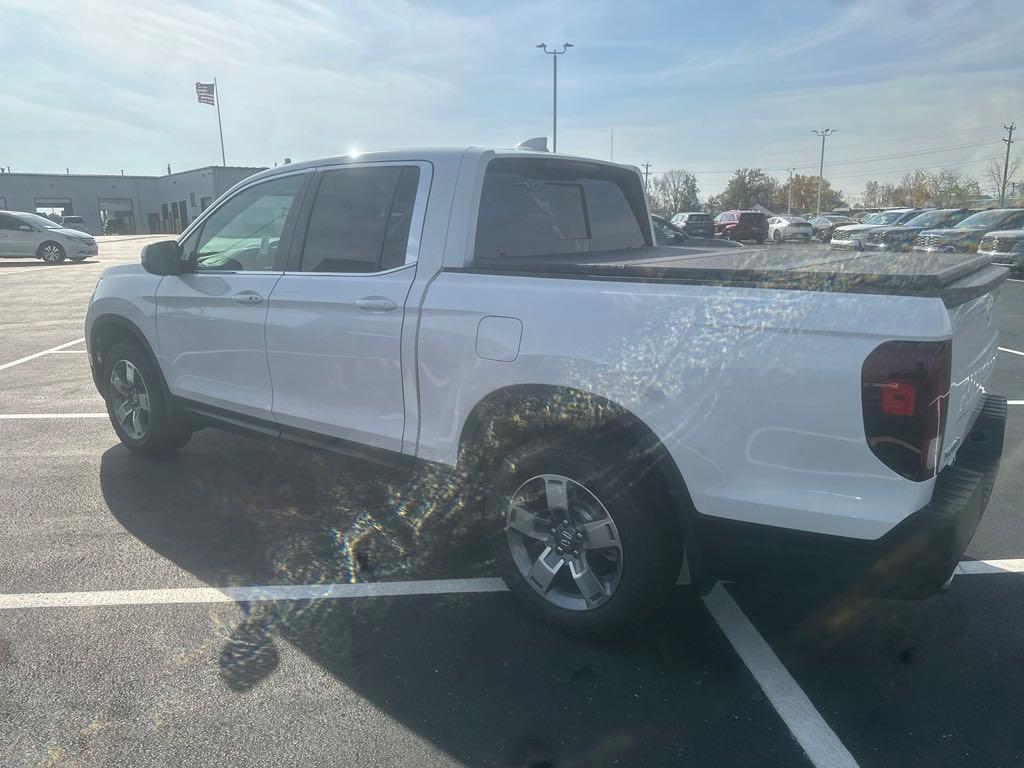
(647, 171)
(789, 205)
(1006, 163)
(554, 91)
(825, 132)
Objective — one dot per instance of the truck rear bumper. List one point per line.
(913, 561)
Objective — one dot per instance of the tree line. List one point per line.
(676, 190)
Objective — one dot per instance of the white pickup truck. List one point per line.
(506, 312)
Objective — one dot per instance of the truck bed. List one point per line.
(953, 277)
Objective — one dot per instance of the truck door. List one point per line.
(335, 322)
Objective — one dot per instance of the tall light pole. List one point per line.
(1008, 141)
(821, 167)
(554, 95)
(789, 205)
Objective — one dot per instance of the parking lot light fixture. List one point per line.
(554, 53)
(821, 166)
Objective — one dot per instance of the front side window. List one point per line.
(360, 220)
(246, 232)
(9, 222)
(535, 207)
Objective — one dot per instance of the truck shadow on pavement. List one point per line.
(472, 674)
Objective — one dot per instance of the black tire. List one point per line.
(164, 434)
(650, 549)
(77, 259)
(51, 252)
(776, 237)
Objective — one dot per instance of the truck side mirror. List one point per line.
(162, 258)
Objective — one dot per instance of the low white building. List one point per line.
(136, 204)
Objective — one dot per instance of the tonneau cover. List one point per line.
(953, 277)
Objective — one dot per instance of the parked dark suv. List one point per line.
(695, 224)
(742, 225)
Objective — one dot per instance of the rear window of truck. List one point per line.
(535, 207)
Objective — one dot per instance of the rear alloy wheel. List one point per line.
(138, 409)
(556, 526)
(52, 253)
(589, 545)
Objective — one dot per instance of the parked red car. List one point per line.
(742, 225)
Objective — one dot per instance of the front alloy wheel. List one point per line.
(52, 253)
(129, 399)
(564, 542)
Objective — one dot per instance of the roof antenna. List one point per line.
(537, 144)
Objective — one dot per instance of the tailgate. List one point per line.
(975, 342)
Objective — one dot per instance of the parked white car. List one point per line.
(28, 235)
(504, 316)
(786, 227)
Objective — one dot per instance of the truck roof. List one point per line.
(426, 154)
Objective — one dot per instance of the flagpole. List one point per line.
(216, 92)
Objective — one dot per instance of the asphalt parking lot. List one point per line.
(138, 627)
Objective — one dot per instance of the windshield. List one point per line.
(794, 219)
(982, 219)
(889, 217)
(38, 221)
(930, 219)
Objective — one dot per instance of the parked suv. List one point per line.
(966, 236)
(667, 233)
(1004, 246)
(901, 237)
(855, 236)
(695, 223)
(823, 224)
(27, 235)
(76, 223)
(742, 225)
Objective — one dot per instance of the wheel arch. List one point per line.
(515, 413)
(107, 330)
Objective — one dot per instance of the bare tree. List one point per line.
(994, 174)
(674, 191)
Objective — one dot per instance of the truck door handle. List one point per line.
(376, 304)
(248, 297)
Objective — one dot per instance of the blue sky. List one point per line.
(101, 86)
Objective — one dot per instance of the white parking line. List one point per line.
(250, 594)
(814, 735)
(1011, 351)
(25, 359)
(973, 567)
(69, 352)
(1015, 402)
(19, 416)
(22, 271)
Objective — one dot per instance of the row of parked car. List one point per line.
(738, 225)
(998, 232)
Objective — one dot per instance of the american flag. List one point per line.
(205, 94)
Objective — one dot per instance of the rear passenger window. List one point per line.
(537, 207)
(360, 219)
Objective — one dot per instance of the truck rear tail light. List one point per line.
(905, 395)
(898, 398)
